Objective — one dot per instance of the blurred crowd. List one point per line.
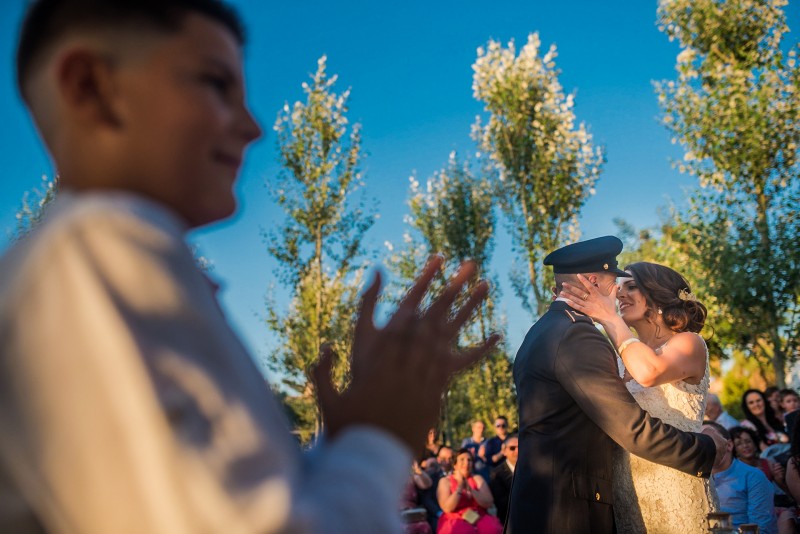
(464, 487)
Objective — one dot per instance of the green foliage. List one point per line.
(34, 204)
(735, 108)
(546, 164)
(301, 412)
(321, 238)
(453, 215)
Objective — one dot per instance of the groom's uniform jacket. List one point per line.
(573, 407)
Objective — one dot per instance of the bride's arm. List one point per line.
(683, 357)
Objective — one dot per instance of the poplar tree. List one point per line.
(321, 238)
(546, 163)
(735, 110)
(453, 214)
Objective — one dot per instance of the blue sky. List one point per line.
(409, 67)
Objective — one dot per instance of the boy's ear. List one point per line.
(85, 82)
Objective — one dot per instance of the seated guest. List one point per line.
(790, 404)
(445, 459)
(790, 401)
(746, 451)
(786, 522)
(714, 412)
(760, 416)
(433, 444)
(413, 514)
(465, 498)
(744, 491)
(502, 475)
(773, 396)
(437, 468)
(491, 450)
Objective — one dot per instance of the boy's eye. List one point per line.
(219, 83)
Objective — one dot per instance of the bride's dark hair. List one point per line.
(666, 290)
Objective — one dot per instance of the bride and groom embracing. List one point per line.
(580, 404)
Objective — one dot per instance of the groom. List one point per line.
(574, 411)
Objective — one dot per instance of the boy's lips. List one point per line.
(227, 159)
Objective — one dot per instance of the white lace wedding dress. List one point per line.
(652, 498)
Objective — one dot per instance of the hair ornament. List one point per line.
(685, 294)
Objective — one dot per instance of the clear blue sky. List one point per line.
(409, 67)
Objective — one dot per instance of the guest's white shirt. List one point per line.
(129, 406)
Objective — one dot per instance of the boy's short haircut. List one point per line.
(787, 393)
(47, 21)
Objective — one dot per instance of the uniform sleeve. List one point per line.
(113, 417)
(586, 367)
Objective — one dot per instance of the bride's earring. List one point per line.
(660, 311)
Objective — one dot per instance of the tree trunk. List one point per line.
(778, 360)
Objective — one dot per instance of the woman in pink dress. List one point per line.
(465, 498)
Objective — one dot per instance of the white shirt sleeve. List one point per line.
(127, 405)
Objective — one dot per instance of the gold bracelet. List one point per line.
(625, 344)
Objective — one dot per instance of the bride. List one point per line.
(665, 367)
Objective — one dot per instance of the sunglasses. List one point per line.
(500, 425)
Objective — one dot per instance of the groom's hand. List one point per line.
(721, 459)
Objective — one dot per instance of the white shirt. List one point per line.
(128, 405)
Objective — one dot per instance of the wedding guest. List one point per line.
(445, 459)
(427, 497)
(790, 401)
(773, 396)
(433, 443)
(759, 416)
(715, 412)
(464, 497)
(503, 474)
(743, 490)
(413, 514)
(474, 443)
(491, 451)
(787, 519)
(745, 449)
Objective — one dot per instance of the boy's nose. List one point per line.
(249, 128)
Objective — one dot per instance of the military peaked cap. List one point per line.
(592, 256)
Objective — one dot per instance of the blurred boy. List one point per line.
(127, 404)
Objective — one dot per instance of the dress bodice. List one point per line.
(679, 404)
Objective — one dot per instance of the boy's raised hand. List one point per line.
(400, 371)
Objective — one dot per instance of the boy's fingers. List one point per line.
(476, 297)
(471, 356)
(414, 296)
(366, 309)
(321, 375)
(441, 306)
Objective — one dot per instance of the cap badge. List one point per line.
(605, 266)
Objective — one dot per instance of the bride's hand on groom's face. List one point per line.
(588, 299)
